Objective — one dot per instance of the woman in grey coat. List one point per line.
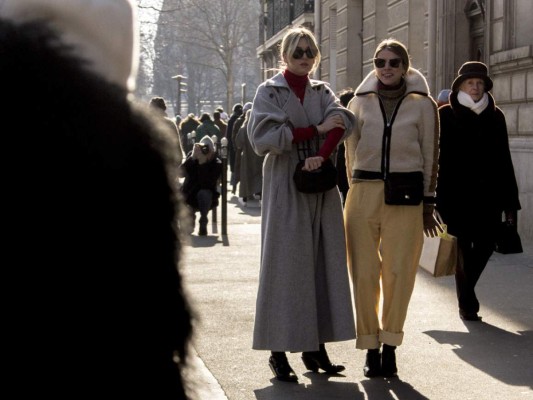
(304, 296)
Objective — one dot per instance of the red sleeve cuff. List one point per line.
(331, 142)
(302, 134)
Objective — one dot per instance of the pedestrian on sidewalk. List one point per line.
(207, 127)
(476, 182)
(188, 127)
(303, 299)
(202, 170)
(251, 164)
(396, 135)
(90, 232)
(159, 106)
(236, 176)
(443, 97)
(221, 123)
(237, 112)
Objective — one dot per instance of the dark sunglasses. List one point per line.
(299, 53)
(393, 62)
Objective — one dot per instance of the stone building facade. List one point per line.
(440, 35)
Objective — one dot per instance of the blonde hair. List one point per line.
(290, 41)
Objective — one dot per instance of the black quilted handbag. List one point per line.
(508, 240)
(319, 180)
(404, 188)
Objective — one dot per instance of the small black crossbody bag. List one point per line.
(404, 188)
(317, 181)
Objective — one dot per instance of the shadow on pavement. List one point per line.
(322, 388)
(204, 241)
(252, 210)
(506, 356)
(390, 389)
(319, 389)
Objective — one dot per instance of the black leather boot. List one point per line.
(203, 226)
(313, 360)
(280, 367)
(372, 366)
(388, 361)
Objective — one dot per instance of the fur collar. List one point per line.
(414, 80)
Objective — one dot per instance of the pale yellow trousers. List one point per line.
(384, 244)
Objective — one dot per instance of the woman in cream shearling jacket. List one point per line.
(396, 126)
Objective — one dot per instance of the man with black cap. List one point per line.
(159, 107)
(476, 181)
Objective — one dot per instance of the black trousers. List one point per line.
(205, 203)
(474, 253)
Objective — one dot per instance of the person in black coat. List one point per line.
(94, 297)
(237, 112)
(202, 170)
(344, 96)
(476, 183)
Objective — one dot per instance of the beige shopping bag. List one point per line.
(439, 254)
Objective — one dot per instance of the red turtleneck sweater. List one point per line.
(298, 84)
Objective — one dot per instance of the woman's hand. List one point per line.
(196, 151)
(331, 122)
(313, 163)
(432, 227)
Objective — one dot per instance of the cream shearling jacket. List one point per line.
(414, 133)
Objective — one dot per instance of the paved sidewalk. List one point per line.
(442, 357)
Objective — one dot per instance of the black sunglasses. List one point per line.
(393, 62)
(299, 53)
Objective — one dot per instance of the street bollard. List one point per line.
(224, 156)
(191, 137)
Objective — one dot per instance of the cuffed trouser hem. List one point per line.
(391, 339)
(365, 342)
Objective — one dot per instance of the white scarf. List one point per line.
(467, 101)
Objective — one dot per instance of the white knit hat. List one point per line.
(209, 142)
(104, 32)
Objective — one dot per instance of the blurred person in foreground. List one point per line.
(96, 297)
(476, 183)
(303, 300)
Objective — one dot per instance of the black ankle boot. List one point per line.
(388, 361)
(372, 366)
(280, 367)
(313, 360)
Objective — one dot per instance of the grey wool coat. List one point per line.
(304, 295)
